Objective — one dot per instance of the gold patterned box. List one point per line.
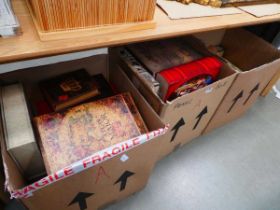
(79, 132)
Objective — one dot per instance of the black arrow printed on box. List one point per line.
(199, 116)
(123, 179)
(240, 95)
(176, 127)
(80, 198)
(252, 92)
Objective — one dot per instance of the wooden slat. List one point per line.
(29, 46)
(96, 31)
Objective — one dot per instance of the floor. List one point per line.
(236, 167)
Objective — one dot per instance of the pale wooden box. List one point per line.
(56, 15)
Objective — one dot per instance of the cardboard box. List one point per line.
(188, 115)
(258, 61)
(106, 176)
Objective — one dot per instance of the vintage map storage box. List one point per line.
(72, 135)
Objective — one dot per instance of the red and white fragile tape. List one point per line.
(87, 162)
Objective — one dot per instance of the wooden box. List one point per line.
(57, 15)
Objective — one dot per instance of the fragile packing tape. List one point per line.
(87, 162)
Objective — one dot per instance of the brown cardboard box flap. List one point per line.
(240, 44)
(117, 76)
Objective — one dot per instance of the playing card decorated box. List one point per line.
(95, 163)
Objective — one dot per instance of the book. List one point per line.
(78, 132)
(163, 54)
(103, 86)
(41, 107)
(18, 132)
(68, 89)
(138, 70)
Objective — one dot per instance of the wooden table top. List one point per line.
(28, 45)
